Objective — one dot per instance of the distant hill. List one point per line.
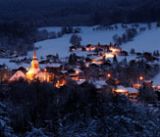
(79, 12)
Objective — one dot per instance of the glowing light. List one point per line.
(60, 83)
(137, 85)
(115, 51)
(34, 69)
(109, 75)
(109, 55)
(98, 62)
(120, 91)
(90, 48)
(34, 72)
(141, 78)
(77, 71)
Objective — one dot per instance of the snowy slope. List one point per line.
(147, 41)
(156, 80)
(61, 45)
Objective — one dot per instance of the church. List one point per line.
(33, 73)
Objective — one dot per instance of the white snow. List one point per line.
(120, 87)
(99, 83)
(17, 76)
(53, 46)
(81, 81)
(129, 58)
(156, 80)
(54, 65)
(61, 45)
(147, 41)
(132, 90)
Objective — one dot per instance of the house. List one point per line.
(121, 90)
(137, 85)
(17, 76)
(99, 84)
(132, 92)
(127, 91)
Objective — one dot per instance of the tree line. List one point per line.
(84, 12)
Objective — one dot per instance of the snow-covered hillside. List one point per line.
(147, 41)
(156, 80)
(61, 45)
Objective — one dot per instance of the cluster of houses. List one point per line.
(85, 69)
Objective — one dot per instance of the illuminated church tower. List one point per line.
(34, 69)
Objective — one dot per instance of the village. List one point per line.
(79, 68)
(104, 66)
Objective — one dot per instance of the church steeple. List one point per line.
(34, 68)
(34, 55)
(35, 63)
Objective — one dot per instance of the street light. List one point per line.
(141, 78)
(109, 75)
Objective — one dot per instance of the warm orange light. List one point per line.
(137, 85)
(109, 55)
(115, 51)
(109, 75)
(60, 83)
(34, 68)
(120, 90)
(98, 62)
(90, 48)
(141, 78)
(34, 72)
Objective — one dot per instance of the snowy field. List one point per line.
(156, 80)
(147, 41)
(61, 45)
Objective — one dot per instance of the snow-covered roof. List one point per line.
(132, 90)
(18, 75)
(97, 58)
(77, 70)
(64, 71)
(80, 81)
(99, 83)
(54, 65)
(122, 89)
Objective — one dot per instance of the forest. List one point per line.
(79, 12)
(38, 110)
